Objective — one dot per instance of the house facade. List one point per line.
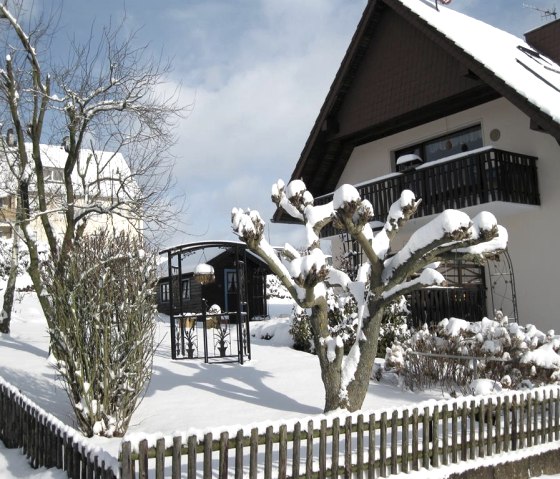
(102, 183)
(468, 117)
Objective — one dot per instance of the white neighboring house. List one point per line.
(468, 117)
(102, 182)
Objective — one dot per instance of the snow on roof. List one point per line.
(104, 173)
(510, 58)
(109, 162)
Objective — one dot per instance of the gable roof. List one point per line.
(474, 61)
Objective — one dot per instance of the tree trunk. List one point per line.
(9, 293)
(357, 389)
(331, 371)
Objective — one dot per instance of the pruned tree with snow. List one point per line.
(110, 114)
(381, 278)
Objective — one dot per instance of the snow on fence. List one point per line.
(374, 444)
(48, 442)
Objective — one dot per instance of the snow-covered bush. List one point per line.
(455, 352)
(275, 288)
(343, 317)
(300, 330)
(394, 327)
(6, 257)
(102, 334)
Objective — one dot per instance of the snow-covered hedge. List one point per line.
(103, 328)
(455, 352)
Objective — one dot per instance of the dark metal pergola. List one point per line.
(220, 331)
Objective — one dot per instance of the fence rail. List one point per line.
(46, 441)
(362, 445)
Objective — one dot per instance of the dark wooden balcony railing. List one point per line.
(457, 182)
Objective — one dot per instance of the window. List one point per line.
(53, 175)
(164, 292)
(186, 289)
(445, 145)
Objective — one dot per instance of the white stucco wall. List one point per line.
(533, 231)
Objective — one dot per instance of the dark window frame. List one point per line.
(455, 146)
(164, 292)
(186, 295)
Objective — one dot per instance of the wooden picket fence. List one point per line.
(46, 441)
(374, 444)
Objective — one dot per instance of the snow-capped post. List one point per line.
(381, 278)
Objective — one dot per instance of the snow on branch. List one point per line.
(428, 277)
(399, 212)
(451, 225)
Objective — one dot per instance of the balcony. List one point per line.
(474, 178)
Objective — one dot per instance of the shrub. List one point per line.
(343, 316)
(300, 330)
(102, 334)
(455, 352)
(394, 327)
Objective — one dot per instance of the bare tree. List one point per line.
(108, 101)
(381, 278)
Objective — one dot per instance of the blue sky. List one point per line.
(255, 73)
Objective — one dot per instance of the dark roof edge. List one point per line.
(345, 65)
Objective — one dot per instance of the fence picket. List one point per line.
(536, 425)
(444, 434)
(348, 447)
(498, 424)
(404, 445)
(335, 447)
(529, 419)
(472, 427)
(557, 416)
(126, 461)
(323, 448)
(550, 417)
(254, 449)
(224, 462)
(383, 445)
(296, 454)
(192, 443)
(176, 458)
(309, 451)
(239, 455)
(160, 458)
(143, 459)
(283, 452)
(434, 428)
(426, 429)
(371, 454)
(207, 457)
(268, 453)
(360, 446)
(415, 439)
(394, 443)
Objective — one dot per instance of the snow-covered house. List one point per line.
(468, 117)
(102, 182)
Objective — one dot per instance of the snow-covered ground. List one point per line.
(278, 383)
